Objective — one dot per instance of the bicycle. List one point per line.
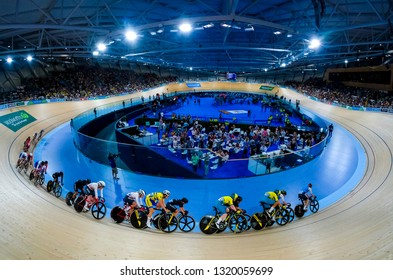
(97, 208)
(168, 222)
(23, 166)
(313, 204)
(39, 178)
(237, 222)
(55, 187)
(261, 220)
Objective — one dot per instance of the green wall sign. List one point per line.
(269, 88)
(17, 120)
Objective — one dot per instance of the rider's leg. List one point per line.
(151, 211)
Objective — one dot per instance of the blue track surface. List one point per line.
(339, 168)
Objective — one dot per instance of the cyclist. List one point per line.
(56, 177)
(92, 190)
(156, 201)
(26, 144)
(171, 206)
(305, 195)
(40, 167)
(78, 187)
(22, 158)
(30, 159)
(226, 203)
(273, 198)
(133, 200)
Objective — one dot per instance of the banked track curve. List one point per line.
(36, 225)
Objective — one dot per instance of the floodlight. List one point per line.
(314, 44)
(101, 47)
(185, 27)
(9, 60)
(29, 58)
(131, 35)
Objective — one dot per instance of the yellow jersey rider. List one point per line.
(155, 201)
(273, 198)
(226, 203)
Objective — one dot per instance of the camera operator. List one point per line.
(112, 162)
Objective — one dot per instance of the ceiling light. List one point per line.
(9, 60)
(29, 58)
(95, 53)
(131, 35)
(249, 28)
(209, 25)
(314, 44)
(225, 25)
(277, 33)
(101, 47)
(185, 27)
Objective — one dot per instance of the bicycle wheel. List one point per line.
(168, 223)
(238, 223)
(41, 179)
(248, 217)
(49, 186)
(314, 205)
(118, 214)
(291, 214)
(299, 212)
(208, 224)
(258, 221)
(155, 219)
(79, 204)
(138, 219)
(68, 198)
(58, 190)
(98, 210)
(282, 217)
(186, 223)
(31, 176)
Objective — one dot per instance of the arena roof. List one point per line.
(225, 36)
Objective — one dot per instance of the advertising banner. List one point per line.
(17, 120)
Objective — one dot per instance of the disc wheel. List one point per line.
(49, 186)
(208, 225)
(79, 204)
(258, 221)
(138, 219)
(168, 223)
(186, 223)
(68, 198)
(118, 214)
(98, 210)
(299, 212)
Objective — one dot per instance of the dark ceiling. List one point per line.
(235, 36)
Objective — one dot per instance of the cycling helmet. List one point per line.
(141, 192)
(102, 183)
(309, 185)
(88, 181)
(234, 196)
(238, 198)
(166, 192)
(284, 192)
(185, 200)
